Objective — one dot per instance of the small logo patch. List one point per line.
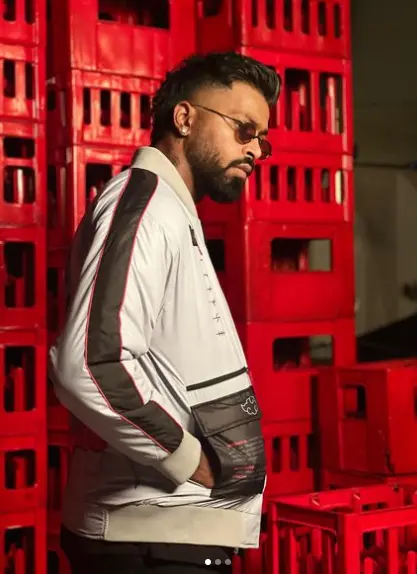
(250, 406)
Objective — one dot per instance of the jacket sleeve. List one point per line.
(96, 367)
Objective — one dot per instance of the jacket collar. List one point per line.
(153, 160)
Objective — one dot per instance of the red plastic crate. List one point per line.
(23, 278)
(59, 419)
(23, 472)
(23, 79)
(312, 26)
(331, 480)
(57, 560)
(75, 175)
(291, 187)
(297, 347)
(314, 112)
(23, 542)
(281, 370)
(252, 561)
(365, 411)
(23, 382)
(60, 447)
(277, 272)
(58, 416)
(142, 39)
(291, 457)
(101, 109)
(370, 530)
(22, 169)
(57, 262)
(284, 395)
(23, 22)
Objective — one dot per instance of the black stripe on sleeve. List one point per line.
(104, 341)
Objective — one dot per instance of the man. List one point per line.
(169, 477)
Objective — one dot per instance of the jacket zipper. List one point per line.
(217, 380)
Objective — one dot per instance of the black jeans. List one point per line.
(88, 556)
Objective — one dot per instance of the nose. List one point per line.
(253, 149)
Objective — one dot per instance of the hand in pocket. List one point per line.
(204, 474)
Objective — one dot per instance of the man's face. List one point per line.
(220, 163)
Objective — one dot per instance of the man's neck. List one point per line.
(179, 163)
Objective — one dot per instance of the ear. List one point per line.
(184, 117)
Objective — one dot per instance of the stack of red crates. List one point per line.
(23, 469)
(368, 420)
(284, 254)
(106, 59)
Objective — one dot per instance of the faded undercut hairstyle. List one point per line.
(203, 71)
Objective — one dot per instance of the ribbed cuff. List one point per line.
(182, 464)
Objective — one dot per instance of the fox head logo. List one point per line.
(250, 406)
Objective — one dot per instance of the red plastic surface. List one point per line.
(100, 109)
(22, 75)
(75, 176)
(143, 39)
(283, 360)
(281, 370)
(57, 262)
(59, 455)
(57, 560)
(23, 539)
(22, 382)
(365, 411)
(284, 395)
(23, 22)
(23, 472)
(298, 345)
(58, 416)
(312, 26)
(59, 419)
(370, 530)
(291, 187)
(314, 111)
(291, 457)
(252, 561)
(330, 480)
(23, 278)
(22, 172)
(288, 273)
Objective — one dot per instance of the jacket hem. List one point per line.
(172, 525)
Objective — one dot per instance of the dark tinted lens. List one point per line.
(246, 133)
(266, 148)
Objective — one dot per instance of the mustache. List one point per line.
(239, 162)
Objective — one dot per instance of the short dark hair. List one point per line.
(220, 69)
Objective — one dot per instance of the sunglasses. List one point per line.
(245, 132)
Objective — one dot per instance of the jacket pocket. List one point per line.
(231, 436)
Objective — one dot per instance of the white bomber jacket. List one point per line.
(150, 361)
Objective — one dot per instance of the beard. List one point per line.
(210, 179)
